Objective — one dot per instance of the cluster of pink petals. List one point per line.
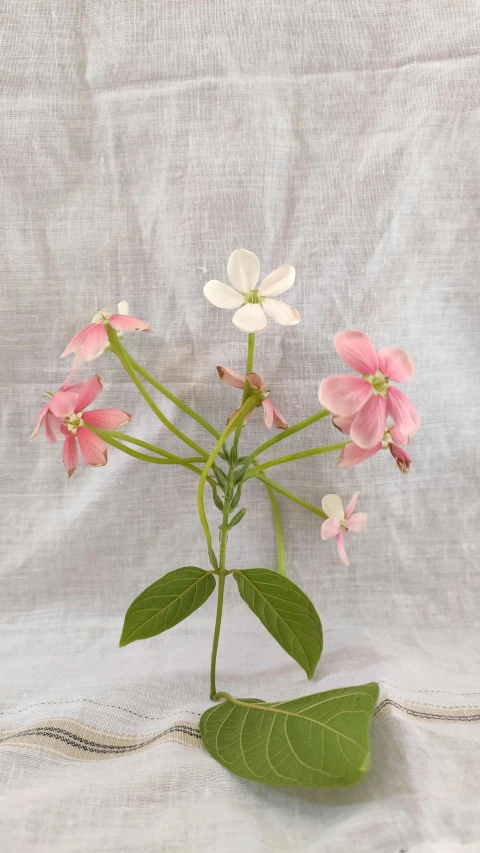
(92, 340)
(370, 398)
(340, 521)
(65, 414)
(392, 439)
(271, 415)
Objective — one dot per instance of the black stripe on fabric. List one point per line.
(72, 739)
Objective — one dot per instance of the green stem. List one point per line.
(278, 531)
(122, 355)
(291, 496)
(292, 457)
(248, 369)
(216, 634)
(290, 431)
(157, 460)
(168, 394)
(249, 404)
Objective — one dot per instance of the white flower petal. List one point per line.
(250, 318)
(333, 507)
(222, 295)
(123, 308)
(278, 281)
(243, 270)
(281, 312)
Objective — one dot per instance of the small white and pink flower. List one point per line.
(272, 416)
(92, 340)
(340, 521)
(370, 398)
(253, 304)
(392, 439)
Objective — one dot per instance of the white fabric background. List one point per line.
(141, 143)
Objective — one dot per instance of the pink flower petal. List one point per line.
(222, 295)
(402, 412)
(77, 363)
(329, 529)
(106, 418)
(94, 343)
(89, 393)
(41, 417)
(250, 318)
(343, 424)
(278, 281)
(267, 412)
(231, 377)
(396, 364)
(243, 270)
(53, 428)
(398, 436)
(352, 455)
(351, 505)
(279, 421)
(70, 453)
(282, 313)
(402, 458)
(76, 341)
(94, 450)
(357, 351)
(357, 522)
(369, 425)
(344, 395)
(63, 403)
(256, 381)
(341, 550)
(128, 324)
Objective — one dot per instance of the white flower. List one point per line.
(253, 303)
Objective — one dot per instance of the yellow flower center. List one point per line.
(73, 422)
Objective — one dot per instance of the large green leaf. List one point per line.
(286, 612)
(319, 741)
(166, 602)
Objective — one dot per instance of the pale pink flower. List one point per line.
(92, 341)
(340, 521)
(253, 304)
(370, 397)
(93, 449)
(271, 415)
(58, 405)
(352, 455)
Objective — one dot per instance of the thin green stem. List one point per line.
(168, 394)
(249, 404)
(157, 460)
(292, 457)
(123, 357)
(291, 496)
(216, 634)
(248, 369)
(287, 432)
(278, 531)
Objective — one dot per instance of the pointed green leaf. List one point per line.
(166, 602)
(318, 741)
(287, 613)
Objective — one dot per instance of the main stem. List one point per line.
(221, 577)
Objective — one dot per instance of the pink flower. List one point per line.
(58, 405)
(93, 449)
(370, 397)
(339, 521)
(271, 415)
(92, 341)
(352, 455)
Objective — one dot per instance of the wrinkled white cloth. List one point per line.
(141, 143)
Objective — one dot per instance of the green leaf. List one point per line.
(237, 518)
(236, 498)
(318, 741)
(286, 612)
(166, 603)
